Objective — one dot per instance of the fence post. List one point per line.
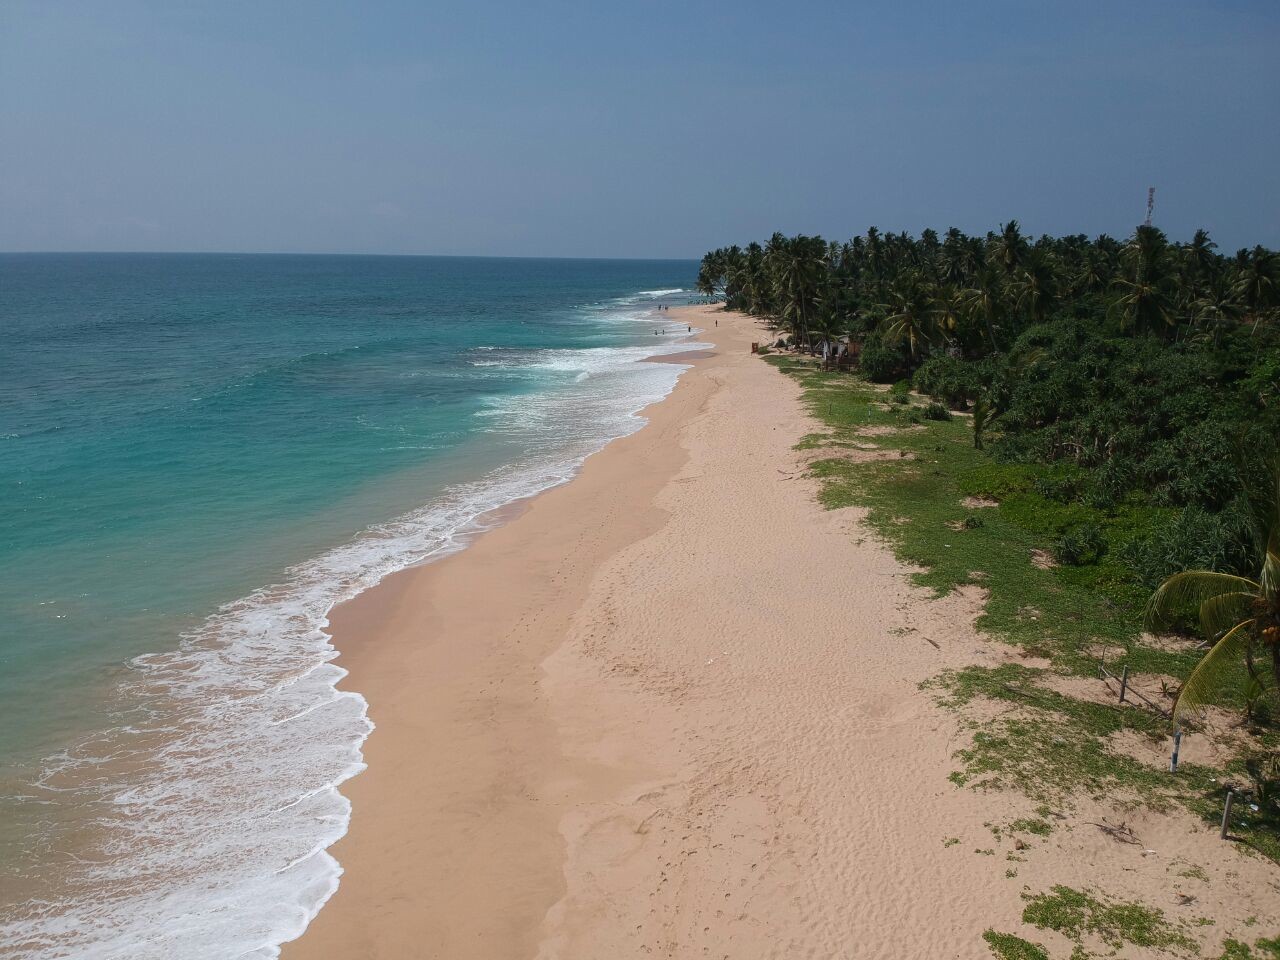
(1226, 812)
(1177, 745)
(1124, 682)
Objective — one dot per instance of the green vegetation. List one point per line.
(1064, 621)
(1238, 615)
(1264, 949)
(1035, 826)
(1008, 947)
(1143, 372)
(1076, 914)
(1077, 424)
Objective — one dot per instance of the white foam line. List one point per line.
(179, 833)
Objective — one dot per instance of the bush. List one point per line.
(1062, 489)
(936, 411)
(1081, 546)
(950, 379)
(881, 363)
(1108, 485)
(1194, 540)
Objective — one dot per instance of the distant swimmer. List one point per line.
(691, 329)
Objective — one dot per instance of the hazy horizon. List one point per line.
(583, 131)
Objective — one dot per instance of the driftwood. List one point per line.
(1121, 833)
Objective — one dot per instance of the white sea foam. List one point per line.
(641, 295)
(214, 800)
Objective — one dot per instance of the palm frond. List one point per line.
(1224, 611)
(1210, 671)
(1270, 578)
(1193, 588)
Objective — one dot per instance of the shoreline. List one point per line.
(551, 734)
(642, 718)
(364, 629)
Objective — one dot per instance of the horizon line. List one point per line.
(288, 253)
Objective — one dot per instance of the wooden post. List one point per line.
(1177, 745)
(1124, 681)
(1226, 812)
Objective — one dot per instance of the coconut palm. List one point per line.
(1144, 305)
(911, 316)
(985, 302)
(1238, 615)
(1035, 287)
(1199, 263)
(1010, 247)
(1258, 283)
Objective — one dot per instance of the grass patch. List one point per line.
(1047, 744)
(1076, 914)
(1032, 825)
(1008, 947)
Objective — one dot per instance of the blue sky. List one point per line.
(637, 129)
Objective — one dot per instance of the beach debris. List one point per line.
(1120, 832)
(1186, 899)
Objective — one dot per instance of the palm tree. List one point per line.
(1199, 262)
(1216, 307)
(950, 313)
(984, 301)
(1258, 285)
(1095, 275)
(1036, 286)
(1010, 247)
(1238, 615)
(1144, 305)
(910, 318)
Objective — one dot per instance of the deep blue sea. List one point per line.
(199, 456)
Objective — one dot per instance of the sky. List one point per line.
(636, 129)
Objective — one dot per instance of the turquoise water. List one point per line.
(200, 455)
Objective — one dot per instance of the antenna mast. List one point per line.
(1151, 203)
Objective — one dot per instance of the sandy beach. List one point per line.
(641, 718)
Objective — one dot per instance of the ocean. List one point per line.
(200, 455)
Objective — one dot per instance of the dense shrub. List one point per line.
(936, 411)
(880, 362)
(1085, 544)
(950, 379)
(1090, 401)
(1194, 540)
(1061, 488)
(1163, 420)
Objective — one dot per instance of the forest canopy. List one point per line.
(1142, 372)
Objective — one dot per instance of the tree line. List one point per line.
(1148, 362)
(1136, 378)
